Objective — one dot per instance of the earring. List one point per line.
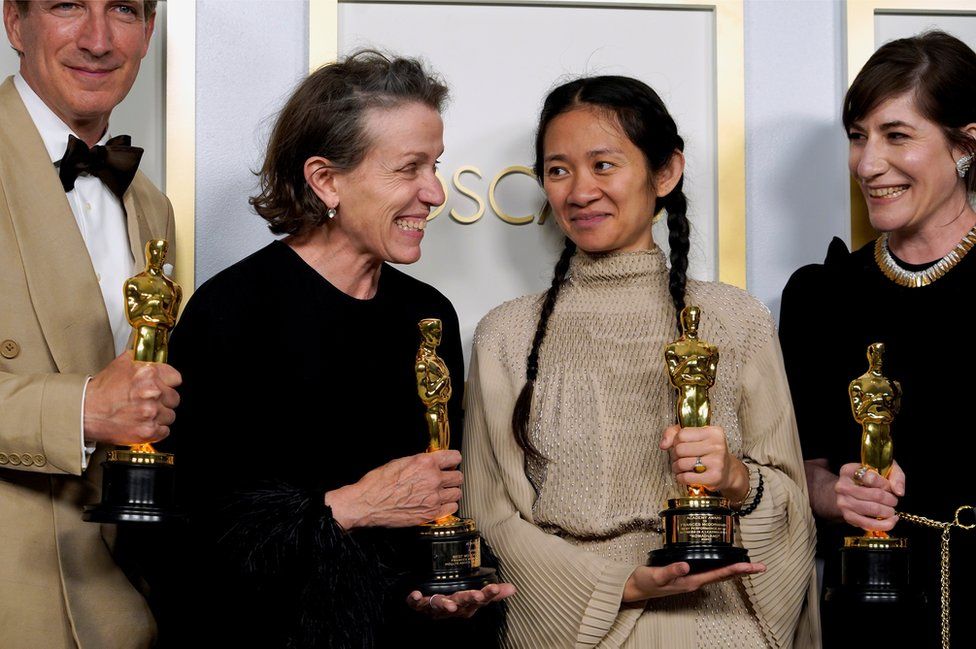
(963, 165)
(331, 213)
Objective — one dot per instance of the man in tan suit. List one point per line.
(68, 240)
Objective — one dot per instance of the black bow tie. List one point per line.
(115, 164)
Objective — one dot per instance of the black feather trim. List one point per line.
(282, 534)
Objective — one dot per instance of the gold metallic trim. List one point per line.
(466, 191)
(860, 46)
(919, 278)
(457, 526)
(875, 543)
(323, 34)
(701, 502)
(138, 457)
(180, 185)
(502, 214)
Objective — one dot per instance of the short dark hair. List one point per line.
(326, 116)
(940, 72)
(23, 6)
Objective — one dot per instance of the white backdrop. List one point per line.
(499, 62)
(888, 27)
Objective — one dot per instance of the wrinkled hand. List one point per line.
(463, 603)
(130, 402)
(724, 472)
(648, 582)
(404, 492)
(871, 506)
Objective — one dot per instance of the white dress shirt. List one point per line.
(101, 221)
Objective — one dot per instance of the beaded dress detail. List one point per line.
(604, 396)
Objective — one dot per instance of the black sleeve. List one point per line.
(454, 357)
(806, 352)
(261, 548)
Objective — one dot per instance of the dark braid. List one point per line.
(643, 117)
(520, 415)
(678, 240)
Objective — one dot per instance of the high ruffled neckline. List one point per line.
(615, 268)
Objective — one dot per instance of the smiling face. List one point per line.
(598, 182)
(80, 57)
(906, 169)
(384, 201)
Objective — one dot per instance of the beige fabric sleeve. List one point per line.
(567, 597)
(39, 417)
(780, 532)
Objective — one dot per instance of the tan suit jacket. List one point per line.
(59, 586)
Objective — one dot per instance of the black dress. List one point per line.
(830, 314)
(292, 388)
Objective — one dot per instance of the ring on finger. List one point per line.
(858, 477)
(698, 467)
(430, 602)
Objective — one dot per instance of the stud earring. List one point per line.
(963, 165)
(331, 213)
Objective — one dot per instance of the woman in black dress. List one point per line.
(301, 431)
(911, 119)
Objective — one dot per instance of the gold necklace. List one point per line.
(918, 278)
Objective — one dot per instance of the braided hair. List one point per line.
(643, 117)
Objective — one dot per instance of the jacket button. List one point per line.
(14, 459)
(40, 460)
(9, 348)
(3, 458)
(26, 459)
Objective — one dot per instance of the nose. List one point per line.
(432, 192)
(584, 190)
(95, 35)
(868, 160)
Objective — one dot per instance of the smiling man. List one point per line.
(74, 215)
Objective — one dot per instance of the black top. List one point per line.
(830, 314)
(292, 388)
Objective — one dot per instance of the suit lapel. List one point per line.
(138, 228)
(63, 287)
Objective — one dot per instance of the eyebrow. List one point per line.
(887, 126)
(896, 124)
(594, 153)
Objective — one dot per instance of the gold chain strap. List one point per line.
(944, 571)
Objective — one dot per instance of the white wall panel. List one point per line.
(500, 61)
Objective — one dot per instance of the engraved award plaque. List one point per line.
(449, 548)
(137, 482)
(698, 526)
(874, 567)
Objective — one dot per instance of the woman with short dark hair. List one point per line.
(911, 118)
(301, 433)
(570, 448)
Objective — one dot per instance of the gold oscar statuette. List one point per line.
(449, 554)
(138, 482)
(698, 525)
(874, 566)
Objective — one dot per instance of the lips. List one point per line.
(587, 216)
(411, 223)
(892, 191)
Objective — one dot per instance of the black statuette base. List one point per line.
(448, 559)
(875, 576)
(699, 531)
(700, 558)
(135, 493)
(448, 585)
